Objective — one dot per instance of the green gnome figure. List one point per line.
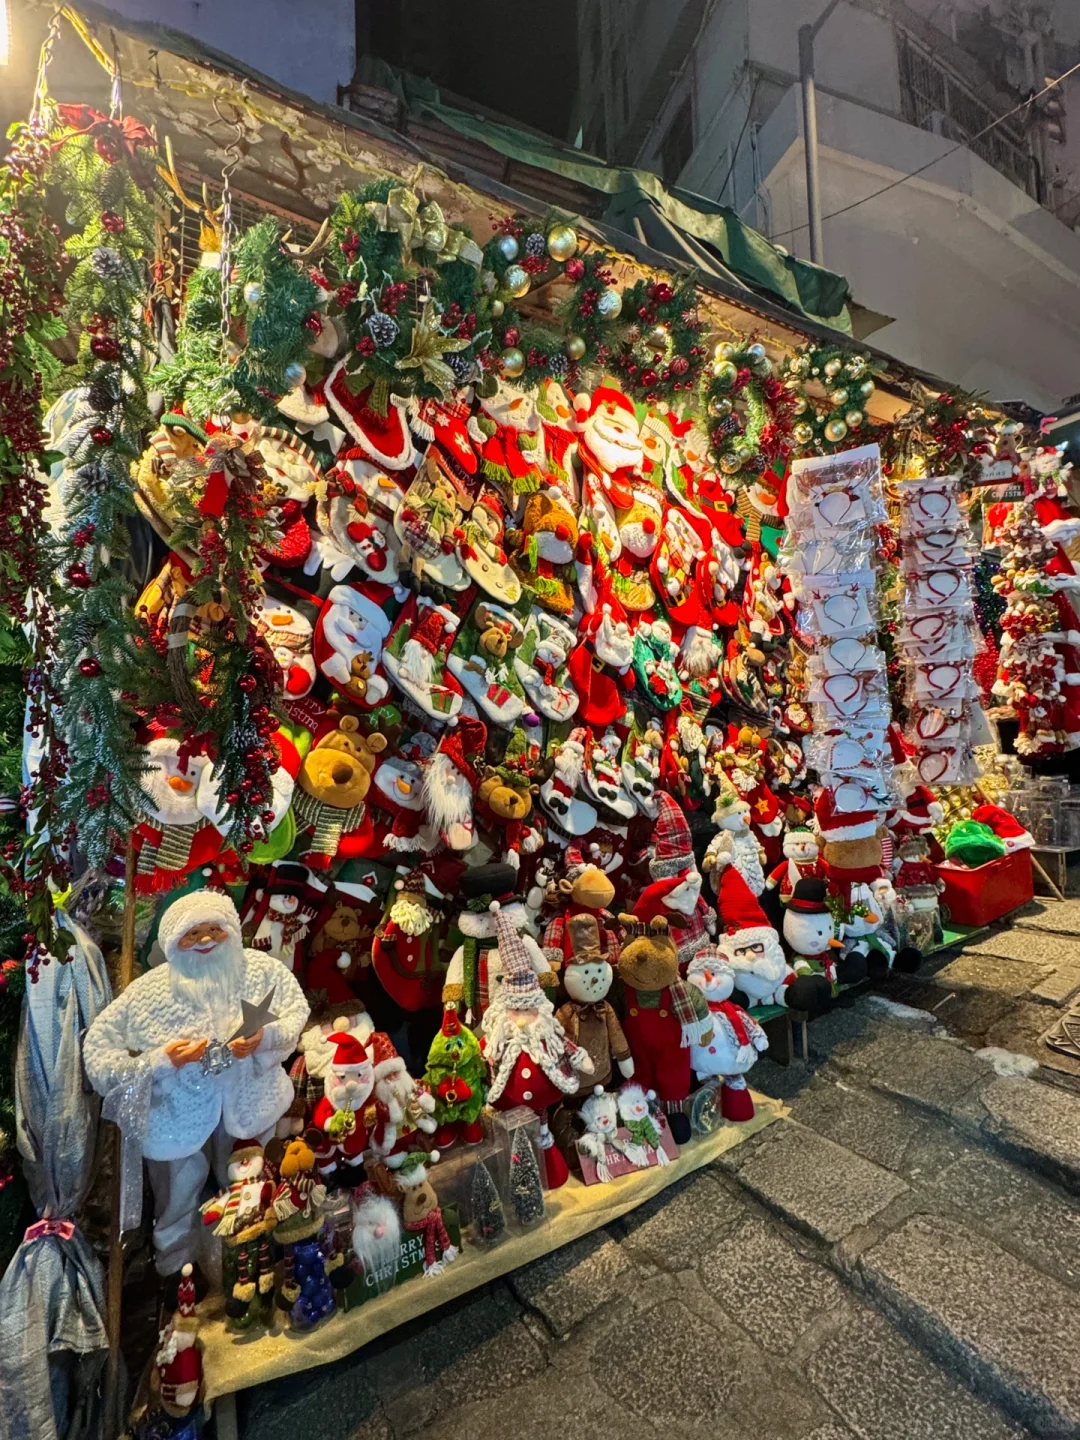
(456, 1075)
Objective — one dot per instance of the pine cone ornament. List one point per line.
(558, 364)
(463, 365)
(536, 245)
(102, 395)
(107, 263)
(383, 329)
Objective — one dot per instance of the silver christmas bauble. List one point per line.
(609, 304)
(295, 375)
(253, 292)
(508, 247)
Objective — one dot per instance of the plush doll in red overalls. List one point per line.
(664, 1017)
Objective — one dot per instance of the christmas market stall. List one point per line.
(485, 685)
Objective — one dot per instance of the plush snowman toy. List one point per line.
(737, 1039)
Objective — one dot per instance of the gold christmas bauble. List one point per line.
(839, 397)
(508, 247)
(725, 372)
(835, 430)
(610, 303)
(575, 347)
(854, 419)
(798, 405)
(730, 462)
(803, 433)
(562, 242)
(516, 281)
(657, 338)
(724, 351)
(866, 389)
(832, 367)
(497, 308)
(513, 362)
(856, 366)
(719, 406)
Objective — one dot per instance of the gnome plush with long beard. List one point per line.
(451, 779)
(476, 967)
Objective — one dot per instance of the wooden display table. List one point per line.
(233, 1362)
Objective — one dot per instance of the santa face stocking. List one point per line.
(415, 657)
(349, 637)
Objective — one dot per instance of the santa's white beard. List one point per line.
(348, 1092)
(684, 897)
(210, 983)
(411, 916)
(771, 965)
(417, 664)
(542, 1040)
(614, 449)
(447, 793)
(699, 653)
(377, 1256)
(570, 764)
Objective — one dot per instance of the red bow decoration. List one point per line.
(65, 1229)
(112, 138)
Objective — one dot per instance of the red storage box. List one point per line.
(975, 897)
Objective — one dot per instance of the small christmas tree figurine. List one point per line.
(456, 1075)
(526, 1191)
(488, 1218)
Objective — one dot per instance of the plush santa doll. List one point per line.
(675, 892)
(405, 951)
(752, 948)
(476, 965)
(339, 1115)
(179, 1358)
(737, 1038)
(802, 861)
(531, 1059)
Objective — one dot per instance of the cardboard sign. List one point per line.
(618, 1164)
(410, 1263)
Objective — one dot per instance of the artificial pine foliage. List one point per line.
(198, 378)
(664, 354)
(488, 1216)
(279, 324)
(101, 667)
(526, 1191)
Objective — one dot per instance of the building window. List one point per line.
(678, 143)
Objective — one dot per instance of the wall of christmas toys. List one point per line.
(506, 719)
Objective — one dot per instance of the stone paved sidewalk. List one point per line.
(885, 1264)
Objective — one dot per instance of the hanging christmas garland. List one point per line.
(822, 426)
(103, 670)
(663, 357)
(941, 434)
(749, 411)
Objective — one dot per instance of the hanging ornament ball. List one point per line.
(575, 269)
(657, 338)
(508, 247)
(833, 367)
(497, 308)
(512, 361)
(757, 350)
(247, 683)
(663, 294)
(575, 347)
(562, 242)
(295, 375)
(725, 350)
(719, 406)
(79, 576)
(725, 372)
(854, 419)
(730, 462)
(803, 433)
(866, 389)
(90, 667)
(105, 347)
(610, 303)
(835, 430)
(101, 435)
(798, 405)
(856, 367)
(838, 397)
(253, 292)
(516, 281)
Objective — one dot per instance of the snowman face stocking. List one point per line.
(289, 633)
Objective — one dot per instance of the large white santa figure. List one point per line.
(532, 1060)
(182, 1029)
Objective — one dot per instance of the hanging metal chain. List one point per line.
(235, 155)
(41, 89)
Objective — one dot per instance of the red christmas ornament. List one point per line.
(112, 222)
(574, 269)
(247, 683)
(512, 335)
(101, 435)
(90, 667)
(649, 378)
(663, 293)
(79, 576)
(679, 365)
(314, 323)
(104, 347)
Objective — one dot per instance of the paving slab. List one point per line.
(1037, 1123)
(675, 1226)
(1059, 986)
(548, 1407)
(1009, 1330)
(1060, 917)
(767, 1286)
(987, 971)
(571, 1284)
(699, 1374)
(935, 1072)
(816, 1185)
(886, 1389)
(284, 1408)
(1033, 947)
(1023, 1213)
(876, 1126)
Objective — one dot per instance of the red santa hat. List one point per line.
(673, 850)
(384, 437)
(741, 917)
(652, 902)
(520, 986)
(385, 1059)
(350, 1056)
(920, 811)
(1005, 826)
(834, 824)
(463, 745)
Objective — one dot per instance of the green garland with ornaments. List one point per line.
(847, 380)
(749, 410)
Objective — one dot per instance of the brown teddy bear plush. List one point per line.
(334, 781)
(582, 890)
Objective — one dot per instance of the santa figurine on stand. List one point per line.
(532, 1060)
(207, 1033)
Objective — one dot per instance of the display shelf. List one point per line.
(233, 1362)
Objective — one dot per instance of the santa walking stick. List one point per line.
(114, 1313)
